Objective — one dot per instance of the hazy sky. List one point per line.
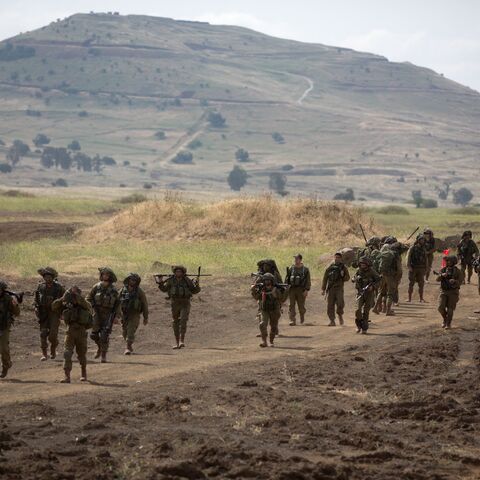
(440, 34)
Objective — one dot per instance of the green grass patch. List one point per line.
(465, 211)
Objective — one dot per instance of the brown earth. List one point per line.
(19, 231)
(401, 402)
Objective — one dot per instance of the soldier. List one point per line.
(370, 250)
(180, 290)
(8, 310)
(270, 296)
(365, 279)
(417, 266)
(450, 278)
(47, 292)
(105, 300)
(77, 315)
(430, 248)
(133, 303)
(388, 265)
(269, 266)
(467, 251)
(333, 283)
(298, 278)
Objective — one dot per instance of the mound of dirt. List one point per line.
(258, 219)
(27, 231)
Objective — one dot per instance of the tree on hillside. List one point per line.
(417, 198)
(40, 140)
(83, 161)
(242, 155)
(216, 120)
(21, 147)
(278, 138)
(348, 195)
(237, 178)
(462, 197)
(183, 158)
(74, 145)
(5, 168)
(160, 135)
(277, 183)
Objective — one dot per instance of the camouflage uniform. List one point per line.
(430, 248)
(8, 310)
(417, 266)
(180, 291)
(77, 315)
(388, 264)
(133, 303)
(333, 283)
(365, 278)
(450, 278)
(105, 300)
(49, 320)
(299, 281)
(467, 250)
(270, 299)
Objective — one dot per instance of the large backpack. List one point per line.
(386, 261)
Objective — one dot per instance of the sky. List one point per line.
(440, 34)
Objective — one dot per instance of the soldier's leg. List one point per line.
(68, 348)
(81, 347)
(453, 298)
(53, 335)
(184, 315)
(301, 305)
(379, 300)
(331, 299)
(340, 301)
(411, 284)
(391, 284)
(263, 326)
(292, 314)
(124, 328)
(369, 301)
(5, 352)
(442, 307)
(44, 332)
(274, 319)
(176, 323)
(463, 267)
(470, 271)
(131, 330)
(359, 314)
(95, 334)
(420, 277)
(429, 266)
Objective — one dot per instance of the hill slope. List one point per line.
(348, 119)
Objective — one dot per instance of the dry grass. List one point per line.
(257, 219)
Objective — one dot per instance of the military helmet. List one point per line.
(373, 241)
(3, 285)
(365, 261)
(109, 271)
(132, 276)
(451, 258)
(396, 246)
(389, 240)
(467, 233)
(179, 267)
(420, 237)
(47, 271)
(268, 276)
(428, 231)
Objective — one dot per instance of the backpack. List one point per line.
(386, 261)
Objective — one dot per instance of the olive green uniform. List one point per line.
(389, 260)
(78, 319)
(467, 251)
(417, 267)
(133, 304)
(449, 293)
(180, 292)
(8, 310)
(48, 319)
(298, 278)
(365, 299)
(269, 309)
(333, 283)
(430, 249)
(105, 302)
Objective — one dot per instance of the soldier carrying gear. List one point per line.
(467, 251)
(47, 292)
(387, 268)
(372, 246)
(450, 278)
(133, 303)
(180, 289)
(333, 283)
(298, 278)
(105, 300)
(77, 315)
(8, 310)
(269, 265)
(270, 296)
(430, 249)
(365, 280)
(417, 266)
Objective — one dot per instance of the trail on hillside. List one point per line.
(306, 93)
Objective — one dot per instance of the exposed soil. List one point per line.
(16, 231)
(401, 402)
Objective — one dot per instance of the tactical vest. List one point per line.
(269, 303)
(445, 281)
(335, 273)
(418, 256)
(75, 314)
(105, 297)
(5, 314)
(362, 279)
(297, 277)
(180, 288)
(44, 296)
(130, 301)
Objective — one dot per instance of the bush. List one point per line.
(183, 158)
(83, 114)
(60, 182)
(21, 147)
(74, 145)
(464, 211)
(429, 203)
(347, 196)
(393, 210)
(242, 155)
(237, 178)
(277, 183)
(278, 138)
(12, 52)
(147, 186)
(134, 198)
(160, 135)
(287, 168)
(417, 198)
(194, 144)
(40, 140)
(216, 120)
(462, 197)
(5, 168)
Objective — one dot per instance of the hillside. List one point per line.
(348, 119)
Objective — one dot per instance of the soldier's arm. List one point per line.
(474, 249)
(143, 300)
(376, 278)
(14, 308)
(36, 298)
(409, 257)
(62, 291)
(82, 302)
(308, 280)
(91, 296)
(325, 280)
(255, 293)
(57, 305)
(346, 276)
(164, 286)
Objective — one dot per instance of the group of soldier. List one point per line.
(379, 270)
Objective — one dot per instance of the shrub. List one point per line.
(160, 135)
(277, 183)
(83, 114)
(74, 145)
(216, 120)
(134, 198)
(417, 198)
(278, 138)
(194, 144)
(12, 52)
(462, 197)
(183, 158)
(429, 203)
(347, 196)
(147, 186)
(393, 210)
(60, 182)
(40, 140)
(242, 155)
(5, 168)
(237, 178)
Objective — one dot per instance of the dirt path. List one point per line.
(311, 86)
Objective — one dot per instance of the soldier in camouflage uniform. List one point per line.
(105, 300)
(333, 283)
(430, 248)
(77, 315)
(417, 266)
(133, 303)
(298, 279)
(467, 250)
(450, 278)
(47, 292)
(365, 280)
(8, 310)
(370, 250)
(180, 289)
(270, 297)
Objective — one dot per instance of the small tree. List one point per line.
(183, 158)
(462, 197)
(74, 146)
(417, 198)
(5, 168)
(348, 195)
(277, 183)
(237, 178)
(160, 135)
(21, 147)
(216, 120)
(278, 138)
(40, 140)
(242, 155)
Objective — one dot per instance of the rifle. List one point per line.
(363, 233)
(106, 328)
(157, 276)
(412, 234)
(18, 296)
(364, 290)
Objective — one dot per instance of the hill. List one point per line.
(141, 90)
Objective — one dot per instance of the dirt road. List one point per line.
(324, 403)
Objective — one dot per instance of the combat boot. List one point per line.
(410, 293)
(53, 351)
(182, 341)
(5, 369)
(272, 339)
(104, 357)
(44, 354)
(302, 319)
(293, 323)
(331, 324)
(389, 311)
(129, 349)
(99, 353)
(340, 320)
(83, 378)
(67, 377)
(264, 341)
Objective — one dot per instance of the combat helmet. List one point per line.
(102, 270)
(3, 285)
(179, 267)
(389, 240)
(366, 261)
(467, 233)
(132, 276)
(268, 276)
(428, 231)
(373, 242)
(48, 271)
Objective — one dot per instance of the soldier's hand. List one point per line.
(323, 292)
(305, 293)
(145, 321)
(14, 301)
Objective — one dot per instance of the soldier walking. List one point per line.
(387, 268)
(333, 283)
(180, 289)
(47, 292)
(450, 278)
(417, 266)
(8, 310)
(133, 303)
(467, 251)
(105, 300)
(430, 248)
(298, 279)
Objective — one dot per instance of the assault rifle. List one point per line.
(364, 290)
(445, 281)
(412, 234)
(106, 328)
(19, 296)
(363, 233)
(158, 276)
